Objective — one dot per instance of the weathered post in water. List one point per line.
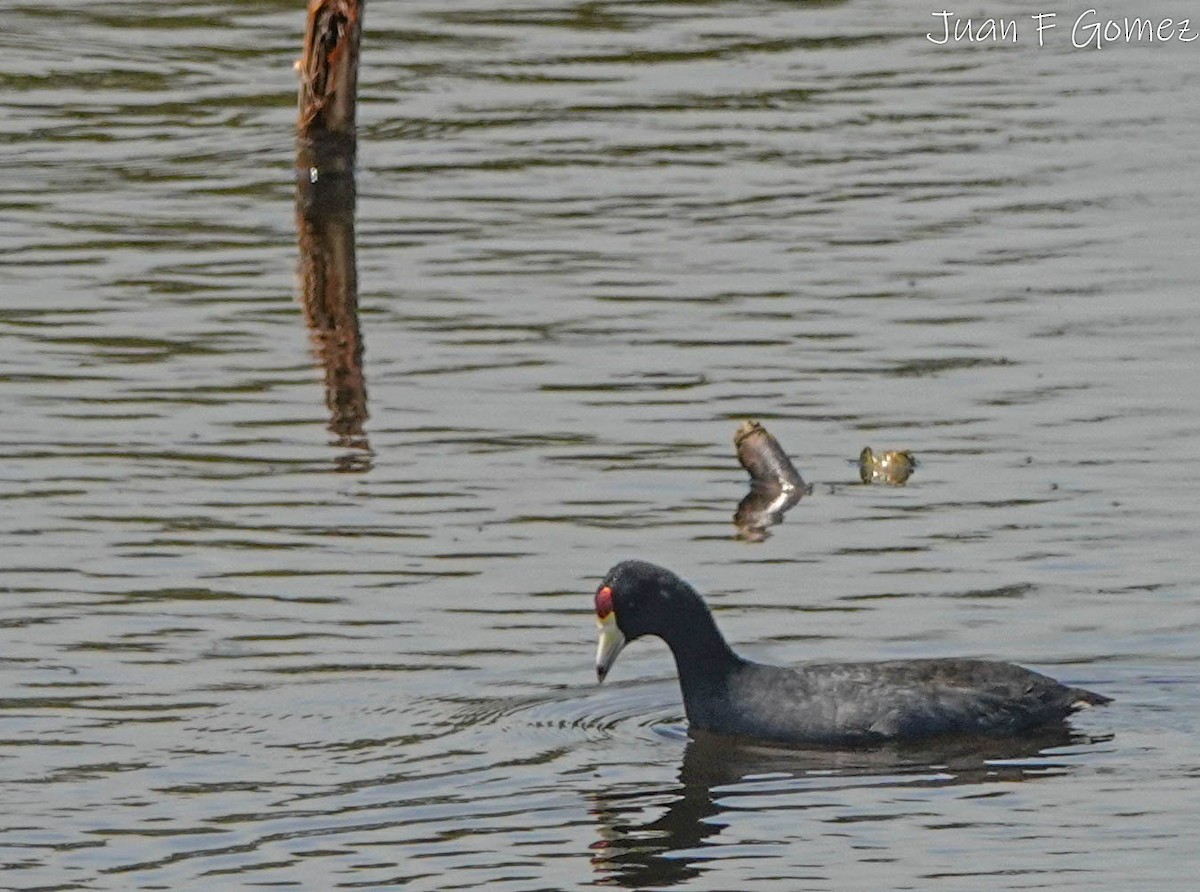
(326, 141)
(329, 89)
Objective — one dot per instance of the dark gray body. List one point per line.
(828, 703)
(860, 703)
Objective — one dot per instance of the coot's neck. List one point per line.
(702, 656)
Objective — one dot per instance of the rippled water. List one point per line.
(247, 643)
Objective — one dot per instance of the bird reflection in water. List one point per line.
(672, 848)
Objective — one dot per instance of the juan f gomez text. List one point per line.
(1090, 29)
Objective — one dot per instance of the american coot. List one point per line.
(818, 703)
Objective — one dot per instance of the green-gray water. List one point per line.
(239, 650)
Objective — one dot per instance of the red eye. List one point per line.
(604, 605)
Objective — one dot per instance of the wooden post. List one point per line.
(325, 200)
(329, 89)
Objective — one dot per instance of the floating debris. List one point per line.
(892, 468)
(764, 459)
(775, 484)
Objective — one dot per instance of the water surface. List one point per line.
(242, 646)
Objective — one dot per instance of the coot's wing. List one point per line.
(905, 699)
(967, 697)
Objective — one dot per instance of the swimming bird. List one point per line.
(839, 704)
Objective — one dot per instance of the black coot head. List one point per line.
(637, 598)
(640, 595)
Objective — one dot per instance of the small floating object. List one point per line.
(891, 468)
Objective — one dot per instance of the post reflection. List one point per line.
(671, 849)
(329, 296)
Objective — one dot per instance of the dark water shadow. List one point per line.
(669, 850)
